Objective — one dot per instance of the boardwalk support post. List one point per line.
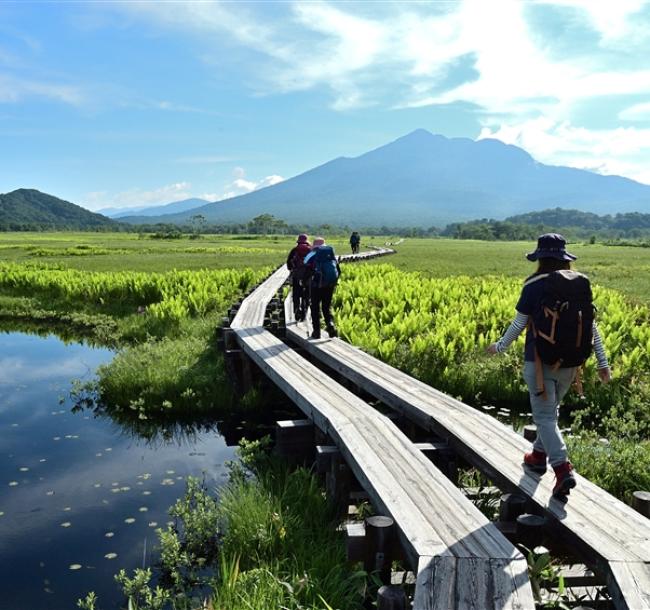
(246, 373)
(391, 597)
(445, 459)
(530, 530)
(294, 440)
(324, 455)
(380, 537)
(530, 432)
(641, 502)
(338, 483)
(355, 541)
(511, 506)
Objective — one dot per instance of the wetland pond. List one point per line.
(80, 497)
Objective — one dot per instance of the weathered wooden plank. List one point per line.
(491, 446)
(629, 584)
(406, 458)
(483, 585)
(433, 517)
(597, 522)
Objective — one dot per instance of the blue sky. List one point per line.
(137, 103)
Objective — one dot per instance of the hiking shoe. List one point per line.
(565, 481)
(315, 335)
(331, 331)
(535, 461)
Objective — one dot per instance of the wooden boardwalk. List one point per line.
(607, 533)
(461, 559)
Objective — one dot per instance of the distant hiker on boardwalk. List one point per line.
(299, 277)
(556, 307)
(325, 274)
(355, 242)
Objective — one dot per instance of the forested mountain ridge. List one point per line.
(29, 209)
(572, 223)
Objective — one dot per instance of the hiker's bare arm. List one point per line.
(515, 329)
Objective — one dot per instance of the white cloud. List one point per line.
(241, 186)
(617, 151)
(405, 50)
(139, 197)
(14, 89)
(613, 20)
(637, 112)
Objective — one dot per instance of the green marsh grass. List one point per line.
(268, 542)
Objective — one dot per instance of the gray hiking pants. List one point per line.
(545, 410)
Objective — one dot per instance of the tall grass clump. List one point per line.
(280, 547)
(155, 303)
(172, 374)
(269, 542)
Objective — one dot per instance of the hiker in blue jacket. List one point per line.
(325, 274)
(548, 298)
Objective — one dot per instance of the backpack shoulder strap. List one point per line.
(535, 278)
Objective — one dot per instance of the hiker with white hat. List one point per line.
(326, 273)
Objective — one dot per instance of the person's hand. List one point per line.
(492, 349)
(605, 374)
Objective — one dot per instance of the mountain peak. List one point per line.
(34, 210)
(421, 135)
(425, 179)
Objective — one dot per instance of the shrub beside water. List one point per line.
(164, 322)
(269, 542)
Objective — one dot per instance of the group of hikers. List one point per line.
(555, 307)
(315, 271)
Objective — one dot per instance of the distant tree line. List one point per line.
(573, 224)
(39, 227)
(267, 224)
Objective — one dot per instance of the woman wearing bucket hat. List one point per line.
(556, 308)
(299, 276)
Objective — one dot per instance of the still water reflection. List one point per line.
(79, 498)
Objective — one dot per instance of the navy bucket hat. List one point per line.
(551, 245)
